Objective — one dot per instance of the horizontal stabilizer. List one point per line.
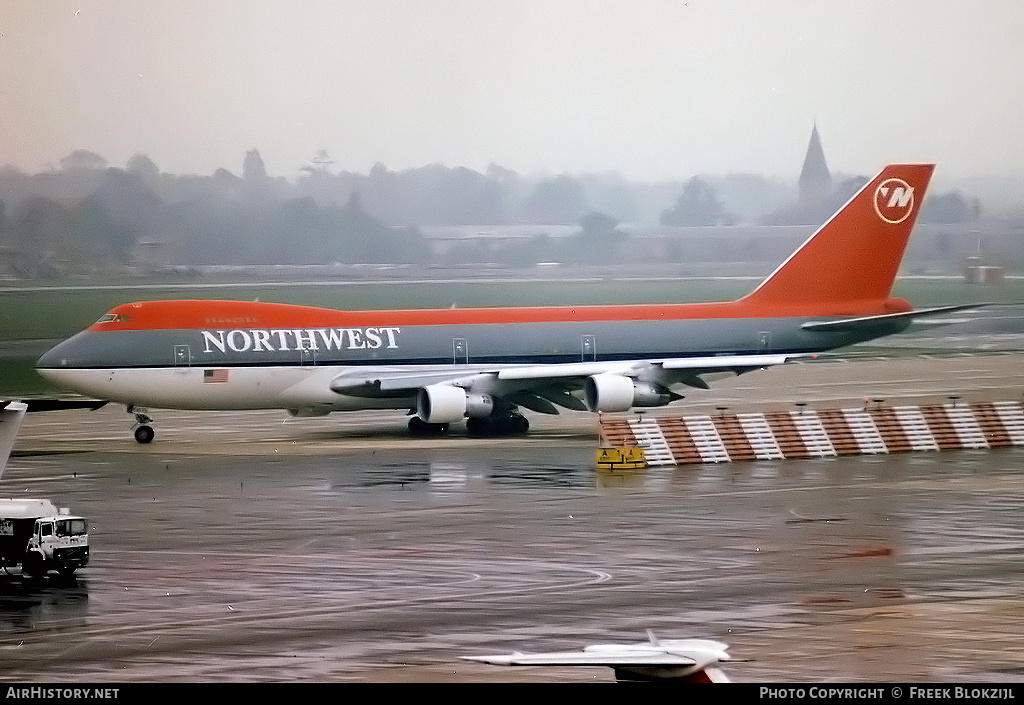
(846, 325)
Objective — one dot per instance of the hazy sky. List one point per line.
(651, 88)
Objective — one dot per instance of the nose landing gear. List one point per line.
(144, 433)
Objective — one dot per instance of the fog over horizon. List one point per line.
(655, 90)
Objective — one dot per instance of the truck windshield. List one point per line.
(70, 527)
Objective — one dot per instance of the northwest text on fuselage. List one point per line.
(241, 340)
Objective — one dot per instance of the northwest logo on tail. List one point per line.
(894, 200)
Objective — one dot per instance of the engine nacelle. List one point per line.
(608, 392)
(479, 405)
(442, 403)
(647, 394)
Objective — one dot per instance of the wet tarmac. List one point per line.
(240, 547)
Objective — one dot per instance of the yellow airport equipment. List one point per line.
(621, 458)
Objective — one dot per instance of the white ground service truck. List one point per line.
(39, 537)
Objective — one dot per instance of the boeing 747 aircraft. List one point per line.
(483, 366)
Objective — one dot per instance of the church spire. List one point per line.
(815, 179)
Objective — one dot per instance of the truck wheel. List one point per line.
(32, 566)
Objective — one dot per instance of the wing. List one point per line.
(543, 388)
(679, 365)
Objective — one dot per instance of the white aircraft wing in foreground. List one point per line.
(683, 660)
(11, 415)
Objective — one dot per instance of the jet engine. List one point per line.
(442, 403)
(608, 392)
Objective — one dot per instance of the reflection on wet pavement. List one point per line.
(240, 548)
(345, 568)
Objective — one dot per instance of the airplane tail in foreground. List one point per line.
(854, 256)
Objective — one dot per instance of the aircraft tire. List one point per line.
(477, 427)
(498, 425)
(144, 434)
(520, 425)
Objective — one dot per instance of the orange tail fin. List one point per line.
(854, 256)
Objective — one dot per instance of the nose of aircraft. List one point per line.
(50, 360)
(63, 356)
(67, 365)
(77, 364)
(55, 357)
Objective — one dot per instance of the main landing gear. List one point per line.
(493, 426)
(512, 424)
(419, 427)
(144, 433)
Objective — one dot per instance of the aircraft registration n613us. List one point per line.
(484, 365)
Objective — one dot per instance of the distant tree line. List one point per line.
(88, 215)
(697, 205)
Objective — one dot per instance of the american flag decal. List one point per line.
(215, 376)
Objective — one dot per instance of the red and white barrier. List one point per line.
(816, 433)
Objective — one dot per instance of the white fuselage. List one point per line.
(291, 387)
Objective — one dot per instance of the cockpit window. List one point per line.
(113, 318)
